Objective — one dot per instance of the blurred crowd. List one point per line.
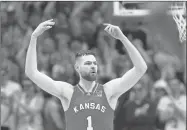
(156, 102)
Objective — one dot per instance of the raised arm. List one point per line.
(117, 87)
(59, 89)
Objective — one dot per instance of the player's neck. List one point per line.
(87, 85)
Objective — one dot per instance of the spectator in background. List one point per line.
(3, 54)
(172, 108)
(29, 106)
(9, 90)
(168, 68)
(140, 112)
(158, 92)
(53, 116)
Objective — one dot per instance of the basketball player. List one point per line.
(88, 105)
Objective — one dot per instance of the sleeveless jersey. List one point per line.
(89, 111)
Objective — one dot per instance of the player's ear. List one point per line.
(76, 66)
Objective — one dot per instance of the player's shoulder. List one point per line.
(64, 84)
(113, 82)
(99, 85)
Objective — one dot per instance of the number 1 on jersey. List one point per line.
(89, 118)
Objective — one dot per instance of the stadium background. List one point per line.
(79, 26)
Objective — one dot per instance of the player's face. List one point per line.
(88, 67)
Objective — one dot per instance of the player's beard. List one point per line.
(89, 76)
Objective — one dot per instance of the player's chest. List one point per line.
(81, 98)
(89, 102)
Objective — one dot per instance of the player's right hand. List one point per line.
(43, 27)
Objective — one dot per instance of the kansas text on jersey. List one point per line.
(89, 111)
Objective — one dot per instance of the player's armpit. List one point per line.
(56, 116)
(116, 87)
(56, 88)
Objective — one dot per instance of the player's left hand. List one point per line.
(114, 31)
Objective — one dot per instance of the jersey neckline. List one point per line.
(85, 92)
